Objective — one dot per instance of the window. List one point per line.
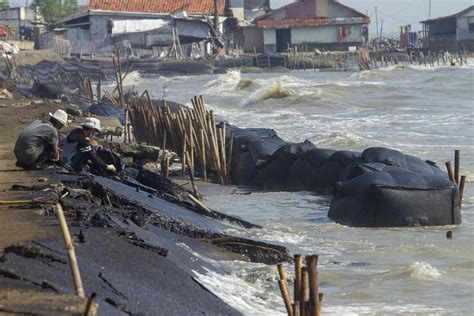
(471, 27)
(470, 22)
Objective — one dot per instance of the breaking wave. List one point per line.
(224, 83)
(343, 140)
(423, 271)
(276, 91)
(132, 78)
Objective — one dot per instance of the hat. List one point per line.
(93, 123)
(60, 116)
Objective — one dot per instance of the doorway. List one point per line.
(283, 38)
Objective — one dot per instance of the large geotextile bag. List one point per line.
(395, 190)
(251, 147)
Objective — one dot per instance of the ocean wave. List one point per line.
(418, 271)
(249, 299)
(343, 140)
(358, 309)
(224, 83)
(276, 91)
(423, 271)
(132, 78)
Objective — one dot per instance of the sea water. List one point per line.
(422, 111)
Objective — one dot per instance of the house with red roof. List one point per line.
(145, 23)
(321, 24)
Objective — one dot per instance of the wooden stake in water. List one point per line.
(457, 161)
(286, 296)
(298, 266)
(312, 262)
(461, 189)
(449, 168)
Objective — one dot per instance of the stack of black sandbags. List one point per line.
(379, 187)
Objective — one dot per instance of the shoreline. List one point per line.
(130, 252)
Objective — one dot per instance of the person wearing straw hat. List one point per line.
(37, 145)
(79, 148)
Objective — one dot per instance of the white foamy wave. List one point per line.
(224, 83)
(239, 294)
(382, 309)
(132, 78)
(423, 271)
(269, 92)
(343, 140)
(288, 81)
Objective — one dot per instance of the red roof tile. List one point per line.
(301, 22)
(157, 6)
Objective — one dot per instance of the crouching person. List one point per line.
(78, 149)
(37, 146)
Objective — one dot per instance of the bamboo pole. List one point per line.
(203, 155)
(304, 290)
(320, 301)
(457, 161)
(229, 161)
(70, 250)
(89, 304)
(27, 202)
(193, 184)
(163, 148)
(311, 262)
(297, 289)
(199, 203)
(281, 271)
(286, 296)
(296, 308)
(461, 189)
(449, 168)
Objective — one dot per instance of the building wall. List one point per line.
(323, 37)
(237, 8)
(253, 37)
(269, 37)
(325, 34)
(337, 11)
(463, 22)
(16, 17)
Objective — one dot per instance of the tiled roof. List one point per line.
(157, 6)
(305, 22)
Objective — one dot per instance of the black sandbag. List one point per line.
(385, 155)
(318, 156)
(243, 169)
(392, 196)
(51, 90)
(324, 177)
(424, 167)
(273, 173)
(350, 211)
(102, 109)
(251, 146)
(345, 157)
(262, 149)
(300, 176)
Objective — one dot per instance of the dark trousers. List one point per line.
(43, 161)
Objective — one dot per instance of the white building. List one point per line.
(322, 24)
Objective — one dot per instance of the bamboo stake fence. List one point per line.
(191, 133)
(307, 300)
